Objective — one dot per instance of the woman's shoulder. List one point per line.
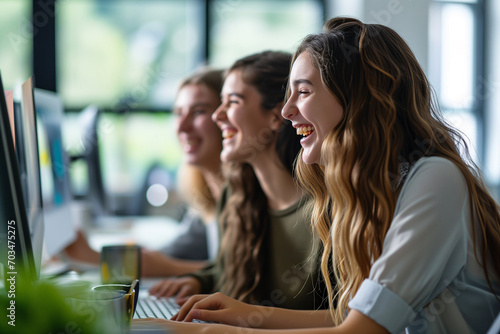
(296, 208)
(434, 161)
(435, 178)
(436, 168)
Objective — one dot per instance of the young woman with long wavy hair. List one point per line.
(405, 219)
(266, 241)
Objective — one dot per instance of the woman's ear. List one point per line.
(276, 118)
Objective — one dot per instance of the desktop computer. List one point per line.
(46, 200)
(16, 254)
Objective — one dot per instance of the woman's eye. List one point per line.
(233, 102)
(303, 92)
(198, 112)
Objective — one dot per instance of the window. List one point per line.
(130, 54)
(15, 41)
(127, 149)
(239, 28)
(126, 54)
(129, 145)
(455, 67)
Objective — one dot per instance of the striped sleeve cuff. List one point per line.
(382, 305)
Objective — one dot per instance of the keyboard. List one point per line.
(153, 307)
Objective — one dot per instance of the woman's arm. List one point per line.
(280, 318)
(154, 263)
(356, 322)
(80, 250)
(223, 309)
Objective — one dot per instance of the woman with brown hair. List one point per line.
(265, 240)
(403, 214)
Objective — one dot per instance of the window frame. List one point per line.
(44, 44)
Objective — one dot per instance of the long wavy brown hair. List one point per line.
(245, 219)
(193, 186)
(389, 117)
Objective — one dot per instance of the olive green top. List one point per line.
(290, 276)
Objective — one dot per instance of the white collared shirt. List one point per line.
(427, 279)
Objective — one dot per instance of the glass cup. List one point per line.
(106, 309)
(130, 296)
(120, 264)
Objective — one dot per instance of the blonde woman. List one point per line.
(406, 221)
(201, 181)
(201, 178)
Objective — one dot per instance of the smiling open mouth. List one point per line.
(226, 134)
(305, 130)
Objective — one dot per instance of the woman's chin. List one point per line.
(309, 157)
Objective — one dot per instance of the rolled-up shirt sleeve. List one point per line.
(424, 249)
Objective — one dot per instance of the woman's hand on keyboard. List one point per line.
(219, 308)
(182, 287)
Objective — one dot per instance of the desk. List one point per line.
(151, 232)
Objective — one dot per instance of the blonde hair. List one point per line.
(387, 102)
(193, 186)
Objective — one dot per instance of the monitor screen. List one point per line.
(54, 173)
(16, 254)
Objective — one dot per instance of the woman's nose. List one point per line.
(183, 123)
(219, 113)
(289, 110)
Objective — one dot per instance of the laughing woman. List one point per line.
(201, 183)
(410, 228)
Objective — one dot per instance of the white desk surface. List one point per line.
(148, 231)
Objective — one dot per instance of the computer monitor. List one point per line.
(89, 119)
(16, 254)
(31, 179)
(54, 172)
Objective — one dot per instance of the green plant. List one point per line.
(39, 308)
